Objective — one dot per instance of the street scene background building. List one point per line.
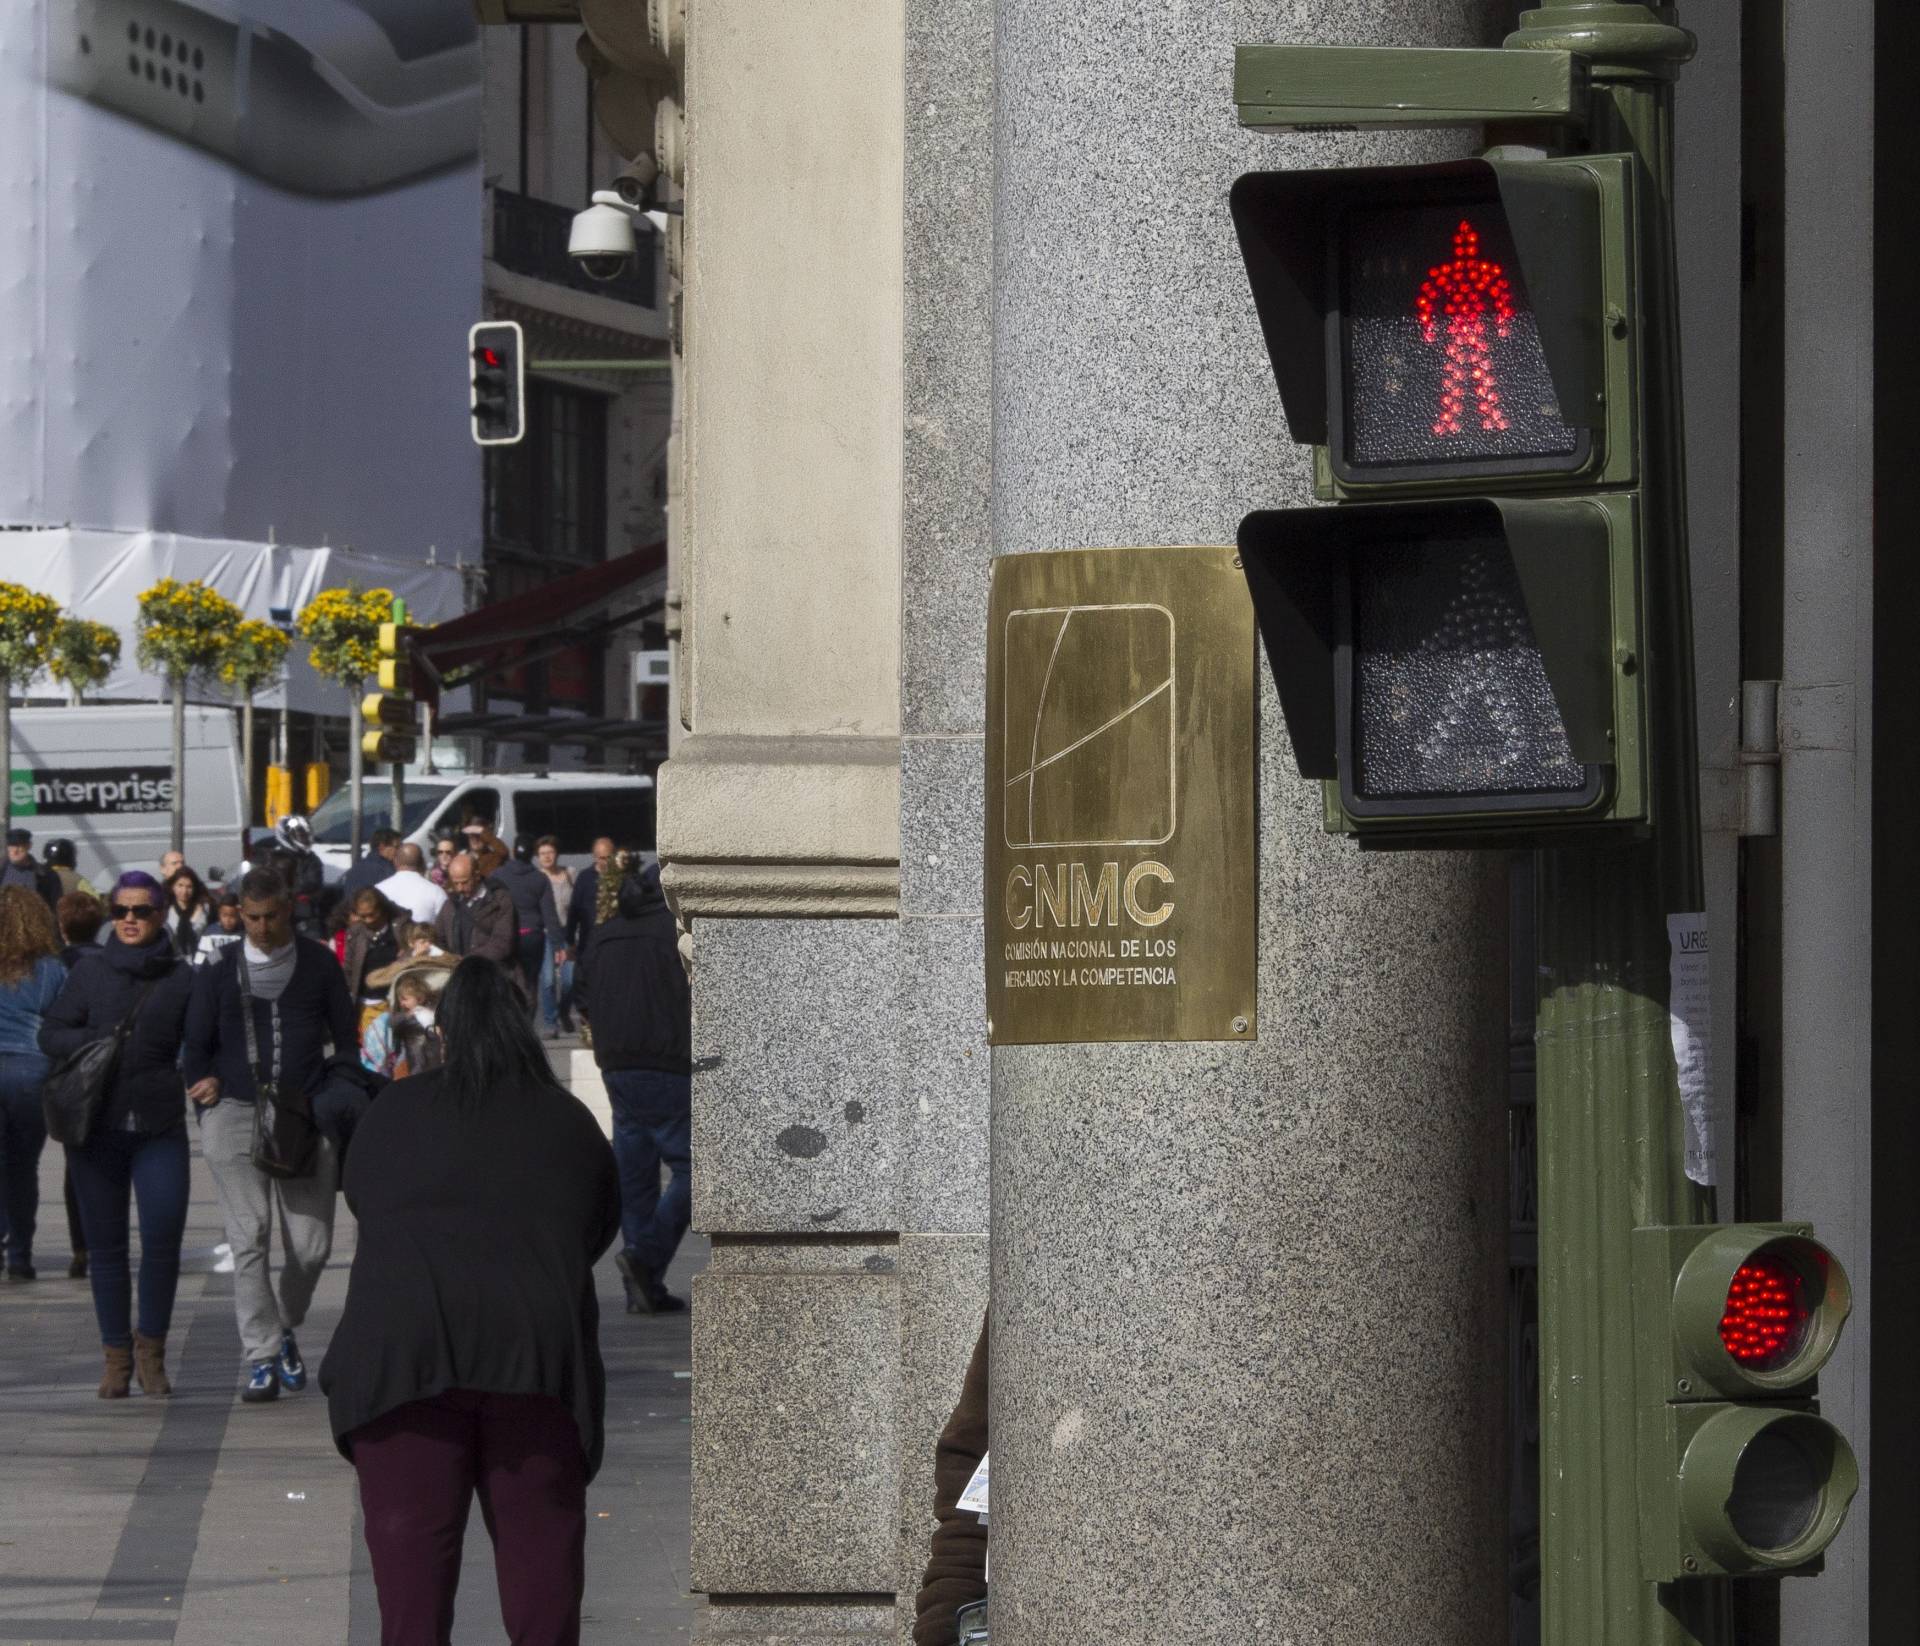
(945, 282)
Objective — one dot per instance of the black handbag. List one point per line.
(76, 1086)
(286, 1139)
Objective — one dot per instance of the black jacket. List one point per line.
(633, 990)
(583, 909)
(314, 1012)
(532, 894)
(146, 1094)
(479, 1226)
(35, 876)
(370, 870)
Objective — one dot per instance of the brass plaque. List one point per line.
(1120, 760)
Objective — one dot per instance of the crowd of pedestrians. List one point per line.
(380, 1038)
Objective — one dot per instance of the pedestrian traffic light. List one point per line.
(1458, 644)
(497, 382)
(1740, 1475)
(1464, 666)
(1446, 327)
(392, 709)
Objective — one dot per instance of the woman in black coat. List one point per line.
(468, 1356)
(138, 1146)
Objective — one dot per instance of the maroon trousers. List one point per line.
(420, 1466)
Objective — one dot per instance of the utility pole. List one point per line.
(1611, 1118)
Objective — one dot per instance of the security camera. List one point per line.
(602, 241)
(639, 182)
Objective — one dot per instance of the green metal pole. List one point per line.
(599, 365)
(1612, 1131)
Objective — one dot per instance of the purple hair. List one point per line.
(138, 880)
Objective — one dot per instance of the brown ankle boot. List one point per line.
(150, 1361)
(118, 1377)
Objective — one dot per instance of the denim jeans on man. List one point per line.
(155, 1168)
(23, 1134)
(652, 1123)
(556, 993)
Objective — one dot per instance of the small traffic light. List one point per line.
(1739, 1473)
(497, 382)
(392, 708)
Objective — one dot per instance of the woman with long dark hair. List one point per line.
(31, 976)
(189, 911)
(137, 1149)
(468, 1355)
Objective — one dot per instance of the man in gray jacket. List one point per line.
(536, 920)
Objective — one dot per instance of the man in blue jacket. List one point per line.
(536, 920)
(633, 988)
(301, 1017)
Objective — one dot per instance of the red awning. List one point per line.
(537, 614)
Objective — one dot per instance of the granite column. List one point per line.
(1247, 1299)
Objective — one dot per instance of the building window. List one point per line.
(546, 497)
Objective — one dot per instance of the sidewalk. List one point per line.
(199, 1521)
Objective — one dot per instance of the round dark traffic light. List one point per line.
(1764, 1489)
(1758, 1311)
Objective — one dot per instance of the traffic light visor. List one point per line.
(1762, 1489)
(1758, 1312)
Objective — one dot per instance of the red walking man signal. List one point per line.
(1456, 301)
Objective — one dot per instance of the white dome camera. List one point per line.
(602, 240)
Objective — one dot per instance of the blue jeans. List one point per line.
(154, 1168)
(552, 1009)
(23, 1134)
(652, 1122)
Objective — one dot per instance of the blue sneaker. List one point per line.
(293, 1370)
(263, 1383)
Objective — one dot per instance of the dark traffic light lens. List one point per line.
(1777, 1490)
(1767, 1315)
(1451, 697)
(1439, 345)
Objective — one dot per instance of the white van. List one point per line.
(102, 776)
(576, 808)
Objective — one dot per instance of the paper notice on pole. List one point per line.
(1689, 1021)
(974, 1498)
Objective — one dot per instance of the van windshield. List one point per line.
(333, 821)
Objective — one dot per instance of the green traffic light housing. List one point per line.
(1462, 671)
(1450, 327)
(1740, 1474)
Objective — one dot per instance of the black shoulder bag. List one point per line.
(285, 1138)
(77, 1086)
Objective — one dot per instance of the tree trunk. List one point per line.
(179, 837)
(6, 748)
(356, 766)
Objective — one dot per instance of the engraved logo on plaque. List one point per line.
(1090, 713)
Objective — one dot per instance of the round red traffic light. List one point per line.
(1767, 1315)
